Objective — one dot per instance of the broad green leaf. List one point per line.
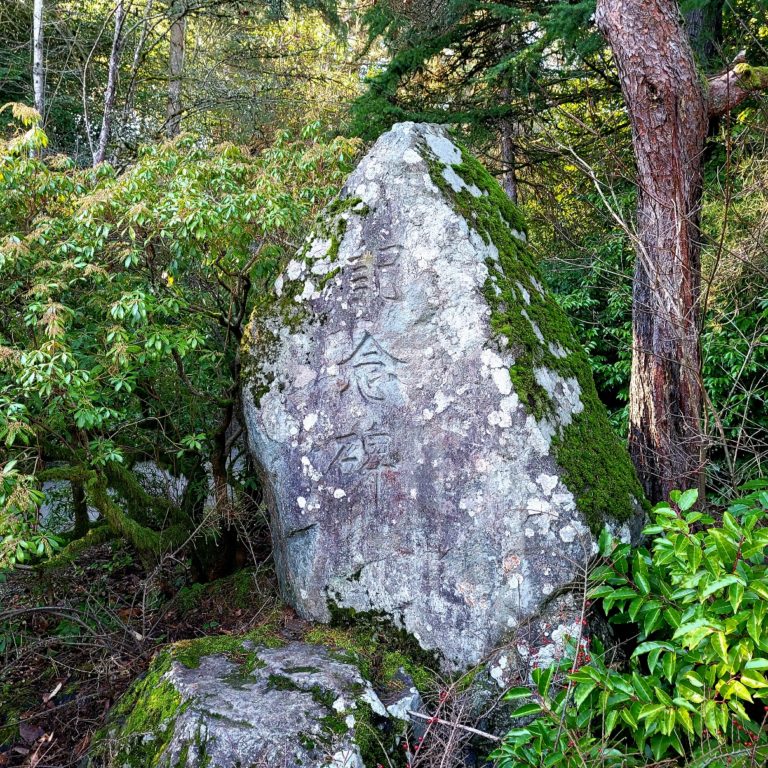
(720, 645)
(526, 710)
(542, 678)
(715, 586)
(687, 499)
(753, 679)
(582, 692)
(517, 693)
(651, 711)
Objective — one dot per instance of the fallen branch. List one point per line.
(469, 729)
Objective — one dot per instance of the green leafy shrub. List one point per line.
(694, 689)
(21, 539)
(125, 296)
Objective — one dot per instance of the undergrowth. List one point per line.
(694, 691)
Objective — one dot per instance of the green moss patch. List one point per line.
(596, 466)
(141, 723)
(235, 647)
(376, 647)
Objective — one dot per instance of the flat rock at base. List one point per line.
(297, 705)
(415, 400)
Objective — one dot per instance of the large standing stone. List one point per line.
(431, 441)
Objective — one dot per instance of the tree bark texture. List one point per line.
(175, 71)
(704, 27)
(509, 177)
(668, 111)
(110, 93)
(38, 61)
(130, 95)
(80, 503)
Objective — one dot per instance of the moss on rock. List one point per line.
(379, 649)
(535, 329)
(172, 714)
(141, 723)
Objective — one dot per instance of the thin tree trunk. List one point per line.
(704, 27)
(509, 177)
(110, 92)
(130, 96)
(82, 521)
(668, 113)
(38, 61)
(175, 71)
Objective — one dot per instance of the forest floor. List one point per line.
(77, 631)
(74, 635)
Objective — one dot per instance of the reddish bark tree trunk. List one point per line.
(668, 111)
(509, 177)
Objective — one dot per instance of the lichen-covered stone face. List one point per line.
(406, 470)
(296, 705)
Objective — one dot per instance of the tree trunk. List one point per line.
(704, 26)
(82, 522)
(175, 71)
(668, 112)
(130, 96)
(111, 90)
(38, 63)
(509, 177)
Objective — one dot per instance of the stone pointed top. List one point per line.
(430, 439)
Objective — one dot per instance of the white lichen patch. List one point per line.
(443, 149)
(536, 330)
(295, 269)
(346, 758)
(557, 350)
(547, 483)
(412, 157)
(502, 380)
(458, 184)
(538, 506)
(504, 415)
(373, 701)
(308, 469)
(498, 671)
(307, 292)
(564, 393)
(573, 531)
(523, 292)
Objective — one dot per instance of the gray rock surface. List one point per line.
(405, 475)
(292, 706)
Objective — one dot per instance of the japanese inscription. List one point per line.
(365, 453)
(371, 369)
(375, 275)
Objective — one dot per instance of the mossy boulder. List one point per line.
(227, 702)
(429, 435)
